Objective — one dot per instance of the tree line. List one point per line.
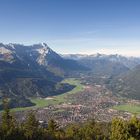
(30, 129)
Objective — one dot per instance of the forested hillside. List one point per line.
(127, 84)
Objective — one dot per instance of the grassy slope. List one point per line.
(56, 99)
(129, 108)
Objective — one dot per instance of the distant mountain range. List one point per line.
(36, 70)
(123, 72)
(129, 62)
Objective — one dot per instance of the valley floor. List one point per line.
(86, 101)
(54, 100)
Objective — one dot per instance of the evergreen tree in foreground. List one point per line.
(31, 130)
(9, 127)
(31, 127)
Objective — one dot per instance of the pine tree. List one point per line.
(31, 127)
(72, 132)
(53, 129)
(119, 130)
(134, 128)
(52, 126)
(9, 127)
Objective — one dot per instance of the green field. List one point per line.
(129, 108)
(42, 102)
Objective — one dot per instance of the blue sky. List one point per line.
(73, 26)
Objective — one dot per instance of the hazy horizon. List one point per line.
(73, 27)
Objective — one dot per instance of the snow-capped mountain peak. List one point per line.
(43, 49)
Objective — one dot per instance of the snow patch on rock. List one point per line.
(5, 51)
